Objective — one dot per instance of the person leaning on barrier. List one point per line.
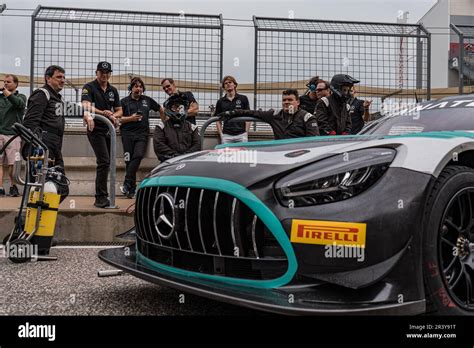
(100, 97)
(359, 111)
(44, 113)
(169, 87)
(12, 108)
(175, 136)
(332, 113)
(232, 132)
(288, 122)
(135, 126)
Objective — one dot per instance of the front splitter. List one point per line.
(302, 302)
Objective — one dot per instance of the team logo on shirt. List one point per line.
(144, 103)
(85, 91)
(238, 104)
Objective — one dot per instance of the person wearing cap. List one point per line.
(332, 113)
(317, 88)
(170, 88)
(232, 132)
(135, 126)
(101, 98)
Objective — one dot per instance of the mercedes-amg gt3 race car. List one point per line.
(381, 222)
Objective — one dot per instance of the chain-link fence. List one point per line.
(392, 61)
(185, 47)
(461, 56)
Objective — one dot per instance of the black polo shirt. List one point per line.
(108, 100)
(308, 104)
(240, 102)
(131, 106)
(356, 113)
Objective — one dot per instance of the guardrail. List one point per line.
(235, 119)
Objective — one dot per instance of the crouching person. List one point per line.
(175, 136)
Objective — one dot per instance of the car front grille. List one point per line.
(215, 233)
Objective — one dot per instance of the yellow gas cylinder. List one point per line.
(48, 216)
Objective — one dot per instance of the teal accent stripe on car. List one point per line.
(438, 135)
(255, 204)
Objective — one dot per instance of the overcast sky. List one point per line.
(238, 41)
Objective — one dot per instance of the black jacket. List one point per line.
(45, 113)
(171, 140)
(332, 114)
(285, 125)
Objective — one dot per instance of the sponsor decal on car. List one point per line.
(328, 232)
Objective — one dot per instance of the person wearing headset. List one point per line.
(317, 88)
(134, 128)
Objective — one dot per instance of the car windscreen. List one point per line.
(424, 121)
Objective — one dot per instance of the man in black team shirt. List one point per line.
(288, 122)
(359, 111)
(232, 132)
(101, 98)
(169, 87)
(135, 127)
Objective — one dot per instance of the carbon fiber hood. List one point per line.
(248, 165)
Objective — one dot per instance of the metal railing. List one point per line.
(215, 119)
(113, 166)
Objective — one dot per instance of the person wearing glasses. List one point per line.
(317, 88)
(44, 113)
(12, 108)
(170, 89)
(100, 97)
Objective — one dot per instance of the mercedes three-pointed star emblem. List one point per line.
(164, 215)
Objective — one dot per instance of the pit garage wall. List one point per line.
(437, 21)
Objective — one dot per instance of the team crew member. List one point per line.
(233, 132)
(288, 122)
(169, 87)
(135, 127)
(12, 108)
(317, 89)
(332, 112)
(175, 136)
(101, 98)
(44, 113)
(359, 111)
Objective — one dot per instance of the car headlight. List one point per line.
(334, 179)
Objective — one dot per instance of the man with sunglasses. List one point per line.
(169, 87)
(317, 88)
(12, 108)
(100, 97)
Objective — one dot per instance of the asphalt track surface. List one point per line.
(70, 286)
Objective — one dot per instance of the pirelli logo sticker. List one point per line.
(328, 232)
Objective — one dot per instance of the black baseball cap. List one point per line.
(104, 66)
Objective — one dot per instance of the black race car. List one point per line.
(381, 222)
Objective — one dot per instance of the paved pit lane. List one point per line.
(70, 286)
